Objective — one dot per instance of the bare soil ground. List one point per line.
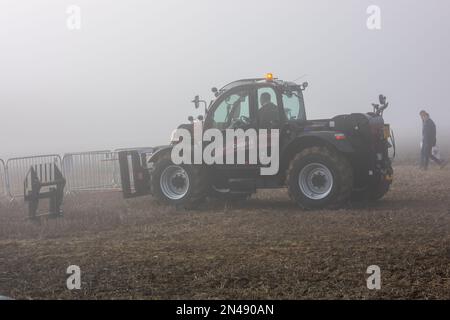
(265, 248)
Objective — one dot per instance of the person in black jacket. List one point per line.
(428, 141)
(268, 111)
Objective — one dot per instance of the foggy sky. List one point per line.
(127, 77)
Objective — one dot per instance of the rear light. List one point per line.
(339, 136)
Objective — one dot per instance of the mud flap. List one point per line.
(134, 173)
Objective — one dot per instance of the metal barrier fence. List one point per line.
(89, 171)
(83, 171)
(147, 150)
(17, 168)
(3, 186)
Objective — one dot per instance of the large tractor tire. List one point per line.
(179, 185)
(319, 177)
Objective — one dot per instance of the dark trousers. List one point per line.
(426, 155)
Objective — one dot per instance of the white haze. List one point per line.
(127, 77)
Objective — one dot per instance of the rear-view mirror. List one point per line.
(196, 101)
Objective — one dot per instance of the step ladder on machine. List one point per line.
(44, 181)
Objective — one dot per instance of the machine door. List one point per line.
(234, 113)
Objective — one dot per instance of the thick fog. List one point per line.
(127, 76)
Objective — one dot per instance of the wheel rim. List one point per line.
(174, 182)
(315, 181)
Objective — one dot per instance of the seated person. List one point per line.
(268, 111)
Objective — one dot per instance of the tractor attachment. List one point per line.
(44, 181)
(134, 173)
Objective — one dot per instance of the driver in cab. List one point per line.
(268, 111)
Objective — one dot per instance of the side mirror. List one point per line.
(305, 85)
(382, 99)
(200, 118)
(191, 118)
(196, 101)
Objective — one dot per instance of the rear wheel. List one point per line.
(319, 177)
(183, 185)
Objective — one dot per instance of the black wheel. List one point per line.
(181, 185)
(319, 177)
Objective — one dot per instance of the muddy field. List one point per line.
(263, 248)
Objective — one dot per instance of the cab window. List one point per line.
(293, 106)
(233, 108)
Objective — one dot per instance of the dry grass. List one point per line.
(264, 248)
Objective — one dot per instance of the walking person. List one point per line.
(428, 142)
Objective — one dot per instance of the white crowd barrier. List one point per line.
(89, 171)
(83, 171)
(3, 186)
(17, 168)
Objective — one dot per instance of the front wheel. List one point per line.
(183, 185)
(319, 177)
